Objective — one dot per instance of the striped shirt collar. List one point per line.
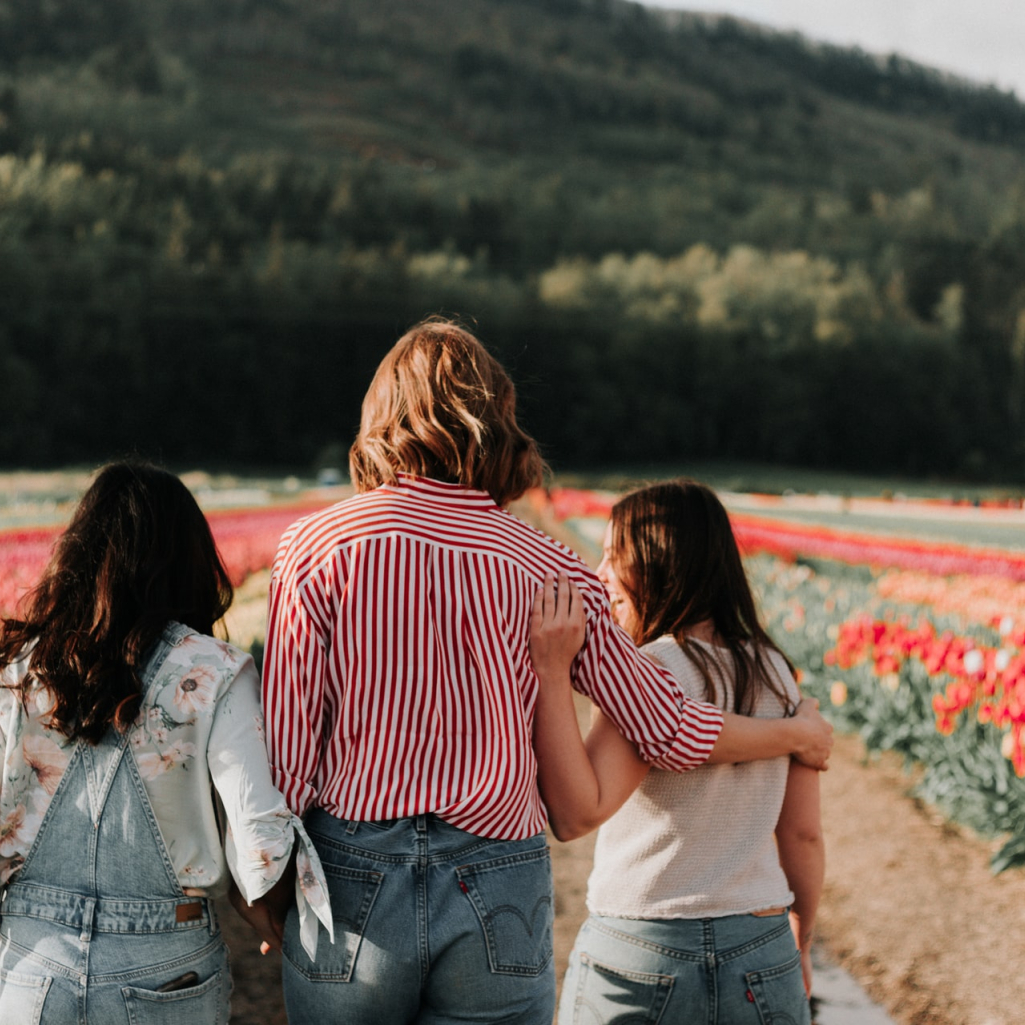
(444, 491)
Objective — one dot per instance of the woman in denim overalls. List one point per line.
(119, 715)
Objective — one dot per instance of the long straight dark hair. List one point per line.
(137, 555)
(675, 555)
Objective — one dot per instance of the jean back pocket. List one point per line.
(22, 997)
(512, 898)
(353, 892)
(606, 994)
(177, 1007)
(779, 995)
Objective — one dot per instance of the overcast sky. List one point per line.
(980, 39)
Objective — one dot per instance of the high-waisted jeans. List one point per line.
(736, 970)
(433, 925)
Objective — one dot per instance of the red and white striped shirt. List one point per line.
(397, 677)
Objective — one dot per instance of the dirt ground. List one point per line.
(910, 908)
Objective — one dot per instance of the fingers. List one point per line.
(551, 607)
(576, 604)
(568, 603)
(537, 612)
(557, 603)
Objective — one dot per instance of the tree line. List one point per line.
(687, 239)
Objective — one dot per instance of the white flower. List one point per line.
(1002, 660)
(265, 860)
(18, 831)
(196, 690)
(155, 763)
(973, 661)
(308, 881)
(180, 750)
(47, 760)
(151, 765)
(1006, 626)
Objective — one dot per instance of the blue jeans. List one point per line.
(94, 926)
(432, 925)
(736, 970)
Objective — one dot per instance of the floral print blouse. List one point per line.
(200, 723)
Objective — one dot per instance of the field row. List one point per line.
(919, 647)
(246, 538)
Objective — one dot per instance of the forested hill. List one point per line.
(690, 236)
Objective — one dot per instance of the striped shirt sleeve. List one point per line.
(293, 685)
(644, 700)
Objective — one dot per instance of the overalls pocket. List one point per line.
(177, 1007)
(22, 997)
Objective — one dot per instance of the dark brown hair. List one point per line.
(137, 555)
(675, 555)
(441, 406)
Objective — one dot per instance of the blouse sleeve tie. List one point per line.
(310, 892)
(270, 847)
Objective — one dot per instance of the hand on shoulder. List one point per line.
(557, 628)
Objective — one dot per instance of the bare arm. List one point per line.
(806, 736)
(670, 730)
(582, 785)
(802, 853)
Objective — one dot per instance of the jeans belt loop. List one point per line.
(88, 914)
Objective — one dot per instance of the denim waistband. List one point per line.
(423, 838)
(106, 914)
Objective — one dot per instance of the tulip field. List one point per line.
(917, 646)
(247, 540)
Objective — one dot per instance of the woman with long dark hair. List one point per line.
(128, 736)
(694, 873)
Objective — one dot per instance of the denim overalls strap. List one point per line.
(99, 860)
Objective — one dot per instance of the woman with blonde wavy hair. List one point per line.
(400, 697)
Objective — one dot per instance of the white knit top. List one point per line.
(699, 844)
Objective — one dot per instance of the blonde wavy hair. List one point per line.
(441, 406)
